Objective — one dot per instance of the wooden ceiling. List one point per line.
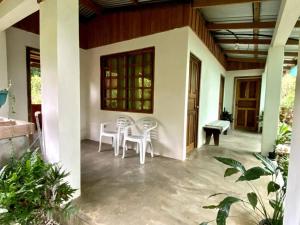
(244, 38)
(242, 29)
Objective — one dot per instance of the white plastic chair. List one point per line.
(116, 132)
(145, 127)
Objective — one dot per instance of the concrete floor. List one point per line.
(161, 192)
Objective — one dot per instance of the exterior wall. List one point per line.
(211, 71)
(3, 71)
(230, 86)
(169, 92)
(17, 41)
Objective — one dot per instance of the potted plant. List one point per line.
(254, 199)
(32, 191)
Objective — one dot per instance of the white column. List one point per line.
(3, 71)
(272, 98)
(59, 43)
(292, 211)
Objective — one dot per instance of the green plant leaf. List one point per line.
(254, 174)
(224, 208)
(252, 197)
(273, 187)
(210, 207)
(204, 223)
(230, 171)
(216, 194)
(231, 162)
(269, 165)
(273, 203)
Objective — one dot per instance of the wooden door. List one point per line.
(247, 103)
(221, 96)
(33, 82)
(193, 103)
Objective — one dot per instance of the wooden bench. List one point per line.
(216, 128)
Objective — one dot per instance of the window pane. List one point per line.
(147, 93)
(114, 83)
(107, 82)
(147, 82)
(127, 81)
(114, 93)
(147, 105)
(138, 94)
(138, 105)
(108, 94)
(139, 82)
(114, 104)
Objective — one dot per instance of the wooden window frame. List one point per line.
(127, 78)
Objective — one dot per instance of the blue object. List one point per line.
(293, 71)
(3, 97)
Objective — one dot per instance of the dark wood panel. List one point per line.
(31, 23)
(247, 102)
(193, 103)
(198, 24)
(123, 25)
(244, 65)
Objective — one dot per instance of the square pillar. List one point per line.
(272, 97)
(59, 47)
(292, 206)
(3, 71)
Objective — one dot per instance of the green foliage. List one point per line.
(284, 134)
(288, 88)
(32, 190)
(36, 97)
(254, 199)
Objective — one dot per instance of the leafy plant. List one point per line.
(225, 115)
(32, 191)
(253, 200)
(284, 134)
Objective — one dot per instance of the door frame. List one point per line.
(234, 94)
(221, 93)
(198, 100)
(28, 79)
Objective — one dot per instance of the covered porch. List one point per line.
(180, 63)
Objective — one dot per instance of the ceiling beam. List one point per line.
(253, 52)
(253, 60)
(91, 5)
(253, 41)
(256, 18)
(237, 26)
(206, 3)
(246, 52)
(293, 54)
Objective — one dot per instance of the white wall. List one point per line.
(3, 71)
(169, 92)
(263, 91)
(84, 76)
(211, 71)
(230, 86)
(172, 53)
(17, 41)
